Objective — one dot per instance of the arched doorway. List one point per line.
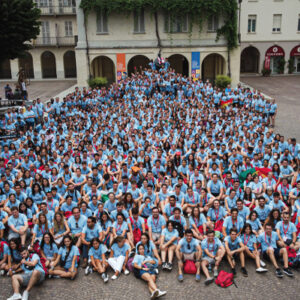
(274, 59)
(70, 64)
(26, 63)
(5, 71)
(135, 63)
(212, 65)
(103, 66)
(295, 57)
(249, 60)
(179, 63)
(48, 65)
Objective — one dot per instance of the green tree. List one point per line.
(19, 24)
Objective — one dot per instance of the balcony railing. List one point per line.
(55, 41)
(57, 10)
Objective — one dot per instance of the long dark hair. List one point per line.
(51, 240)
(148, 239)
(247, 225)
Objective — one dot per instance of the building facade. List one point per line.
(270, 36)
(53, 52)
(119, 43)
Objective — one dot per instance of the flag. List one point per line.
(263, 172)
(243, 175)
(225, 103)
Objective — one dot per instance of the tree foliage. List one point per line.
(198, 11)
(19, 24)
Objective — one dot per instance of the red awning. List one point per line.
(295, 51)
(275, 51)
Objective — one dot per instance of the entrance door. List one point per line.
(274, 63)
(297, 64)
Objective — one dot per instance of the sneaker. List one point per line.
(198, 277)
(87, 270)
(155, 294)
(161, 293)
(90, 270)
(261, 270)
(164, 266)
(156, 271)
(169, 266)
(233, 271)
(216, 273)
(106, 278)
(2, 272)
(25, 295)
(208, 281)
(126, 272)
(262, 263)
(278, 273)
(244, 272)
(15, 296)
(180, 278)
(114, 277)
(288, 272)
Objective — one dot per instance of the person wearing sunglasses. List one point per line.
(76, 224)
(188, 248)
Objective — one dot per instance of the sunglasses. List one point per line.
(189, 246)
(76, 225)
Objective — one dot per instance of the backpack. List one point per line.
(189, 267)
(2, 246)
(129, 265)
(136, 231)
(224, 279)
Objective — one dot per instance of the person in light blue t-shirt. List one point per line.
(250, 247)
(268, 241)
(66, 263)
(188, 249)
(234, 246)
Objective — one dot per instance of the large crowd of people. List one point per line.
(151, 168)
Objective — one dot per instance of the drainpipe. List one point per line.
(87, 44)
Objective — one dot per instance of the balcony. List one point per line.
(55, 41)
(52, 10)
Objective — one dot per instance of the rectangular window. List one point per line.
(45, 32)
(68, 28)
(213, 23)
(251, 23)
(176, 24)
(277, 23)
(139, 21)
(299, 23)
(102, 22)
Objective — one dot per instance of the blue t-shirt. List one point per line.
(120, 227)
(216, 215)
(37, 267)
(40, 230)
(169, 235)
(17, 222)
(286, 231)
(97, 253)
(267, 241)
(91, 233)
(249, 240)
(228, 224)
(148, 249)
(211, 247)
(156, 224)
(233, 245)
(190, 247)
(77, 226)
(74, 252)
(120, 251)
(48, 251)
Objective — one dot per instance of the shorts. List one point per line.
(276, 254)
(156, 236)
(211, 261)
(26, 277)
(138, 273)
(215, 194)
(188, 256)
(271, 114)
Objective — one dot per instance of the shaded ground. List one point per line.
(286, 91)
(42, 89)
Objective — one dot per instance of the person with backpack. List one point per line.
(143, 269)
(169, 240)
(66, 263)
(250, 247)
(213, 252)
(136, 225)
(269, 245)
(234, 247)
(33, 273)
(188, 248)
